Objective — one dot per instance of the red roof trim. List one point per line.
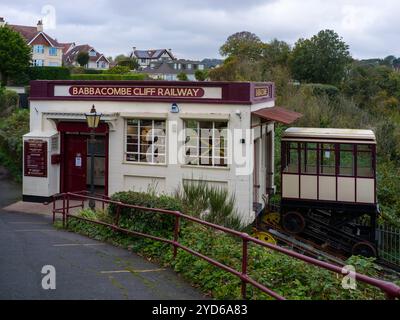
(278, 114)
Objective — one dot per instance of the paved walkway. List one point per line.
(85, 268)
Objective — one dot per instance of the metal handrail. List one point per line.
(391, 290)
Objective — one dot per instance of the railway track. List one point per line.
(272, 232)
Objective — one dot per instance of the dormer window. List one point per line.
(92, 53)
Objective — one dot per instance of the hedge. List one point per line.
(49, 73)
(133, 76)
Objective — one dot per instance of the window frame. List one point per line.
(286, 149)
(138, 153)
(198, 147)
(55, 53)
(35, 48)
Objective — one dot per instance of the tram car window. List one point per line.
(329, 185)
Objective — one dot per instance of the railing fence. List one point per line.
(388, 239)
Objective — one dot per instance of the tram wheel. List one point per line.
(293, 222)
(364, 249)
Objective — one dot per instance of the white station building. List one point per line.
(153, 135)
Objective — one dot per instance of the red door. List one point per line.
(75, 166)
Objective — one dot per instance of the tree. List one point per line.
(321, 59)
(201, 75)
(182, 76)
(244, 45)
(236, 69)
(15, 54)
(130, 62)
(82, 58)
(276, 52)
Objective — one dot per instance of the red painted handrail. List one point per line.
(391, 290)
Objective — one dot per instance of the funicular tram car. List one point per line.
(329, 188)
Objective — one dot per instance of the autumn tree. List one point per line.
(321, 59)
(245, 45)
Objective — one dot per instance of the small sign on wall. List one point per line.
(78, 160)
(35, 158)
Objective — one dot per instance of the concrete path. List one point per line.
(85, 269)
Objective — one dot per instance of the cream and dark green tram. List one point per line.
(329, 187)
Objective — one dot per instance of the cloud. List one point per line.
(197, 28)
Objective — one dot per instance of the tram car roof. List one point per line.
(329, 135)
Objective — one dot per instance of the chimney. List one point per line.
(39, 26)
(2, 22)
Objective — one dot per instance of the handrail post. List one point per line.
(67, 209)
(117, 215)
(54, 209)
(176, 234)
(244, 265)
(63, 211)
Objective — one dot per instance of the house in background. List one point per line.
(146, 57)
(67, 47)
(169, 70)
(96, 59)
(161, 64)
(46, 51)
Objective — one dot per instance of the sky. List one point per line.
(195, 29)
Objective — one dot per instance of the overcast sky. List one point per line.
(197, 28)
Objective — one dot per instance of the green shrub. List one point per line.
(8, 101)
(49, 73)
(210, 203)
(117, 70)
(146, 221)
(103, 76)
(319, 89)
(12, 129)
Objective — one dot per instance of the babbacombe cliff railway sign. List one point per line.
(137, 91)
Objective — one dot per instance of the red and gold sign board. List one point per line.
(35, 158)
(263, 92)
(136, 91)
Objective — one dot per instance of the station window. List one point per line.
(327, 159)
(308, 158)
(291, 163)
(145, 141)
(346, 160)
(365, 161)
(206, 143)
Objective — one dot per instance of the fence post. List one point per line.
(63, 211)
(176, 234)
(54, 209)
(244, 265)
(67, 210)
(117, 215)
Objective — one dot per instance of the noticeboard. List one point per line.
(35, 158)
